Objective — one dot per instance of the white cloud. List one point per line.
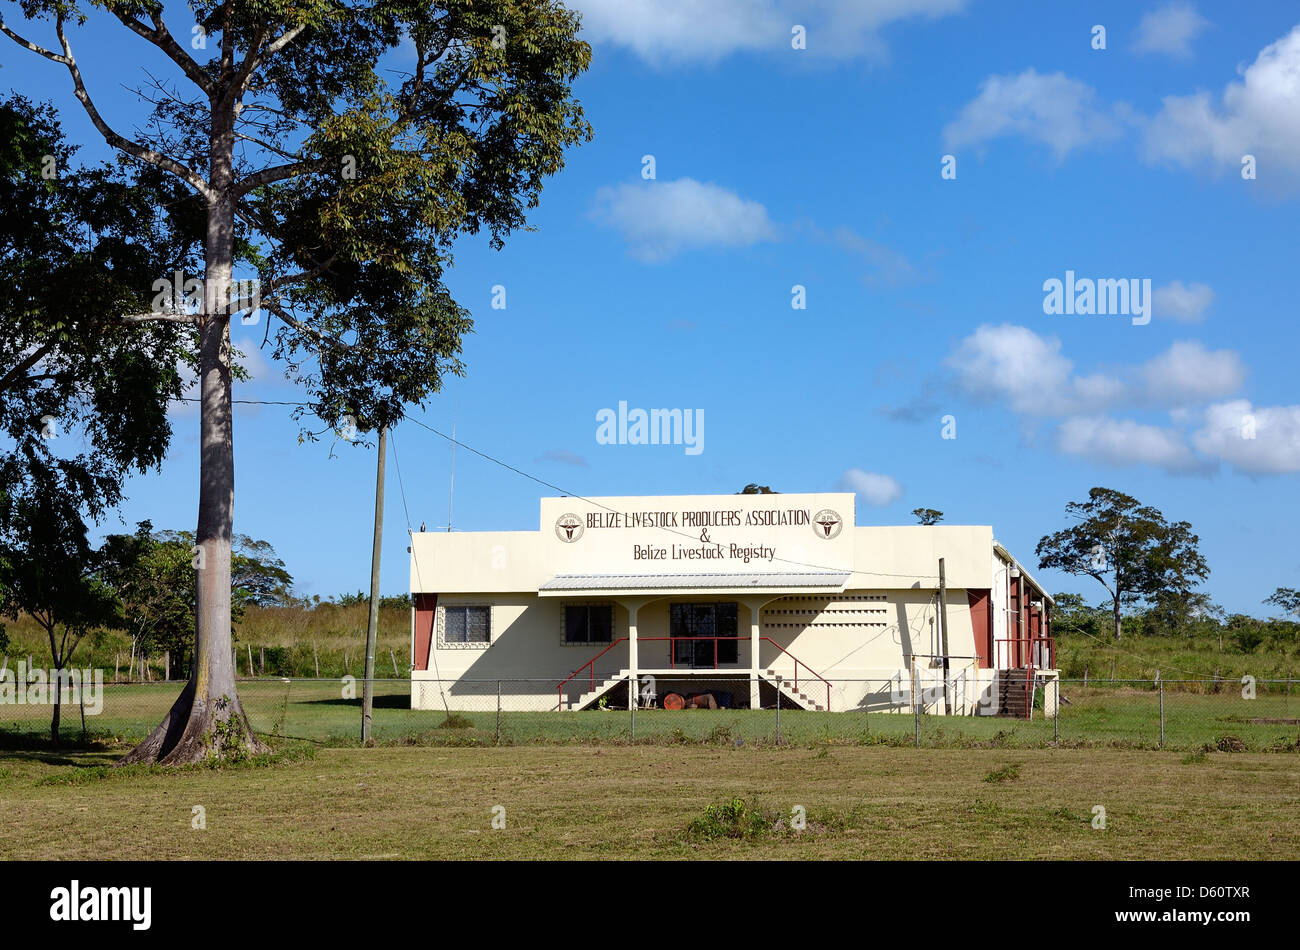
(659, 219)
(1028, 372)
(1124, 442)
(1186, 304)
(1054, 109)
(253, 361)
(1259, 441)
(1257, 116)
(1031, 375)
(874, 489)
(662, 31)
(1170, 30)
(1189, 373)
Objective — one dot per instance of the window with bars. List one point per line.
(704, 620)
(467, 624)
(588, 623)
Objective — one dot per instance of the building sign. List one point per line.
(700, 533)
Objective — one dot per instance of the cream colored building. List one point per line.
(755, 598)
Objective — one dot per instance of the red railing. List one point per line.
(1028, 654)
(798, 663)
(590, 665)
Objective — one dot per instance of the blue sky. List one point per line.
(821, 167)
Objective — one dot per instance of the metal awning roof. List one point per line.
(668, 583)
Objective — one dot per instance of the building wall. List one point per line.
(881, 628)
(847, 638)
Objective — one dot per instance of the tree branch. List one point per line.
(276, 173)
(28, 44)
(113, 138)
(162, 38)
(301, 327)
(255, 59)
(159, 317)
(27, 363)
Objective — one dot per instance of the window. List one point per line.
(588, 623)
(467, 625)
(704, 620)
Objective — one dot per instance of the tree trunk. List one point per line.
(54, 723)
(1117, 620)
(207, 718)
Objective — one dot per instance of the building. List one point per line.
(755, 598)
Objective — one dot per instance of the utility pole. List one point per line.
(943, 632)
(372, 626)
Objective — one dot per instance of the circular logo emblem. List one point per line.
(568, 528)
(827, 524)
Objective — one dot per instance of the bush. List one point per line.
(732, 819)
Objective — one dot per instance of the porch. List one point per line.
(700, 634)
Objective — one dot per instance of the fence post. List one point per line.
(1162, 714)
(1056, 716)
(632, 685)
(498, 712)
(916, 714)
(778, 714)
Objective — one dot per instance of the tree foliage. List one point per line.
(927, 515)
(48, 571)
(152, 575)
(341, 191)
(83, 398)
(1286, 598)
(1128, 548)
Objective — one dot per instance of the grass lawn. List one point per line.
(638, 801)
(318, 711)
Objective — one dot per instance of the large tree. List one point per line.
(83, 397)
(341, 193)
(1127, 547)
(50, 574)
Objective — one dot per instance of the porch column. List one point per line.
(632, 659)
(755, 606)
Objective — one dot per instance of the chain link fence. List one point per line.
(1188, 715)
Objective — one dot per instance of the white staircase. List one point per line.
(603, 687)
(796, 696)
(792, 697)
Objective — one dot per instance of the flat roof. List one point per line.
(829, 581)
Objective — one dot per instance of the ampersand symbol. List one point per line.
(704, 536)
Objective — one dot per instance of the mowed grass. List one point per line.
(571, 801)
(320, 711)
